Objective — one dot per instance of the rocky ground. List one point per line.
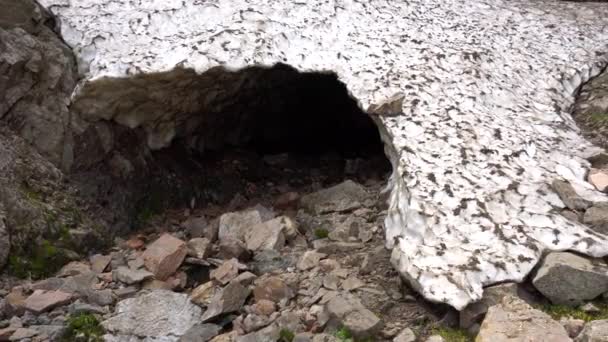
(297, 255)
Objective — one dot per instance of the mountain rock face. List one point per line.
(470, 98)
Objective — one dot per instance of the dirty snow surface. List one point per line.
(484, 127)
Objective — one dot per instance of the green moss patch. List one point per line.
(559, 311)
(42, 261)
(321, 233)
(453, 334)
(83, 327)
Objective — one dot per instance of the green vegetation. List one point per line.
(44, 260)
(344, 335)
(31, 194)
(452, 334)
(84, 327)
(559, 311)
(599, 117)
(321, 233)
(286, 335)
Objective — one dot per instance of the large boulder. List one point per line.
(594, 331)
(37, 79)
(159, 314)
(569, 279)
(476, 133)
(514, 320)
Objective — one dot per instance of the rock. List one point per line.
(331, 282)
(264, 307)
(245, 278)
(594, 331)
(136, 263)
(227, 271)
(15, 302)
(434, 175)
(130, 276)
(309, 260)
(164, 256)
(233, 248)
(199, 248)
(347, 311)
(406, 335)
(227, 337)
(23, 333)
(590, 308)
(324, 338)
(203, 293)
(196, 227)
(270, 234)
(599, 179)
(346, 196)
(346, 230)
(475, 312)
(5, 239)
(273, 289)
(154, 284)
(568, 279)
(520, 322)
(302, 337)
(6, 333)
(157, 314)
(236, 225)
(126, 292)
(573, 326)
(287, 200)
(99, 263)
(201, 333)
(230, 299)
(435, 338)
(569, 196)
(597, 217)
(41, 301)
(80, 308)
(268, 261)
(352, 283)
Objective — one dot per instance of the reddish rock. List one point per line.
(265, 307)
(6, 333)
(15, 302)
(164, 256)
(599, 179)
(227, 271)
(135, 243)
(287, 200)
(41, 300)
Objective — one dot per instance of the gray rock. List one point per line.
(230, 299)
(157, 314)
(520, 322)
(50, 332)
(568, 195)
(99, 262)
(310, 259)
(270, 234)
(267, 334)
(201, 333)
(233, 248)
(80, 308)
(195, 226)
(346, 196)
(199, 248)
(236, 225)
(347, 311)
(406, 335)
(573, 326)
(568, 279)
(597, 217)
(594, 331)
(270, 260)
(5, 239)
(130, 276)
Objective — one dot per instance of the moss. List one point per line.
(321, 233)
(599, 117)
(344, 335)
(559, 311)
(452, 334)
(83, 327)
(286, 335)
(31, 194)
(42, 261)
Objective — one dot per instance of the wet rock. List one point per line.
(309, 260)
(199, 248)
(236, 225)
(273, 289)
(158, 314)
(597, 217)
(230, 299)
(347, 311)
(164, 256)
(99, 263)
(406, 335)
(594, 331)
(201, 333)
(599, 179)
(569, 279)
(130, 276)
(569, 196)
(346, 196)
(233, 248)
(41, 301)
(227, 271)
(196, 227)
(573, 326)
(520, 322)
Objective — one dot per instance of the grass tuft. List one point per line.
(453, 334)
(558, 311)
(321, 233)
(83, 327)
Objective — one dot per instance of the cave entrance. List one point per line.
(282, 131)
